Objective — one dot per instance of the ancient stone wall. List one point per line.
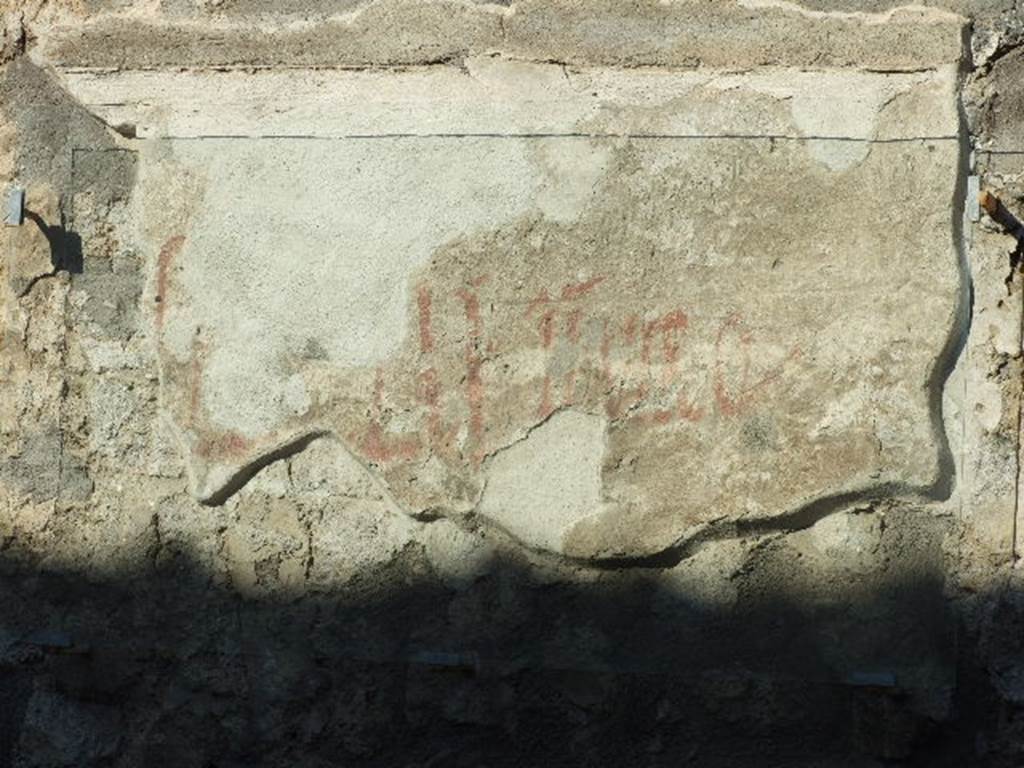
(545, 382)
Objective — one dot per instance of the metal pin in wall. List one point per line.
(973, 198)
(14, 213)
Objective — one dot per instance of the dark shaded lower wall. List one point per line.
(161, 668)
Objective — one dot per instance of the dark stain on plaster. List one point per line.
(107, 174)
(759, 433)
(110, 290)
(50, 124)
(42, 470)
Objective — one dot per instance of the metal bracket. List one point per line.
(973, 202)
(14, 213)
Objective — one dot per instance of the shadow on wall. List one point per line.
(65, 246)
(162, 668)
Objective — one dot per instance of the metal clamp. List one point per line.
(14, 212)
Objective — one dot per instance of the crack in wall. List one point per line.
(241, 477)
(563, 135)
(961, 326)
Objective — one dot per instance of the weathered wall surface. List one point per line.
(454, 383)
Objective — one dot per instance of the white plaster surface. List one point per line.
(539, 488)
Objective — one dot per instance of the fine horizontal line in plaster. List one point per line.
(631, 136)
(507, 99)
(398, 68)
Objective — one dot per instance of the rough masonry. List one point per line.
(461, 383)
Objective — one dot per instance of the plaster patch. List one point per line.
(332, 267)
(848, 109)
(539, 488)
(572, 170)
(429, 265)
